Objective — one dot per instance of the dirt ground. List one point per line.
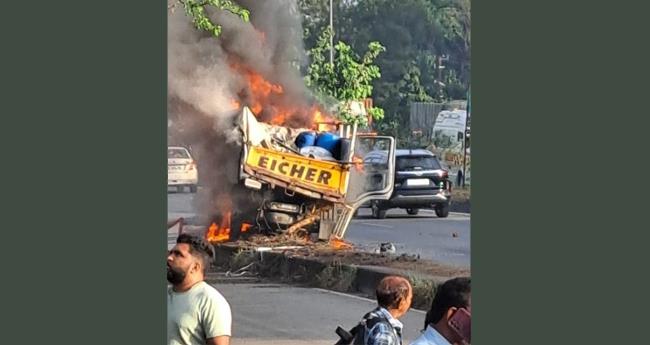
(460, 200)
(325, 253)
(401, 262)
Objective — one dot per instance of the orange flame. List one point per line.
(245, 227)
(322, 122)
(260, 89)
(337, 243)
(318, 116)
(260, 86)
(219, 233)
(267, 99)
(256, 109)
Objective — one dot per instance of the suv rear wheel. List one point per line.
(442, 211)
(412, 211)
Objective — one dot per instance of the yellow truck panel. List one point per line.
(322, 176)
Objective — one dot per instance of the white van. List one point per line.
(449, 140)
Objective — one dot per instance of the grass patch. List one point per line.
(337, 277)
(423, 292)
(240, 259)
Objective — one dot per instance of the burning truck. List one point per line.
(307, 181)
(241, 105)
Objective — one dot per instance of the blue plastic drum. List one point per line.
(328, 141)
(305, 139)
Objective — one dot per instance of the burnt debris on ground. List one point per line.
(345, 254)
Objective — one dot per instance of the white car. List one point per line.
(181, 169)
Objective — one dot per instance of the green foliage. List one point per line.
(410, 89)
(415, 33)
(376, 113)
(315, 18)
(349, 78)
(196, 9)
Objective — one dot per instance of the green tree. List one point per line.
(315, 18)
(407, 30)
(407, 90)
(349, 78)
(415, 33)
(454, 20)
(197, 11)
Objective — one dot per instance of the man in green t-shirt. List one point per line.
(197, 313)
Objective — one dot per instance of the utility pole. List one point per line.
(469, 105)
(332, 35)
(441, 58)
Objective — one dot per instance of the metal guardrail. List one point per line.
(173, 234)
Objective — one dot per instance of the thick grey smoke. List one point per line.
(202, 72)
(206, 75)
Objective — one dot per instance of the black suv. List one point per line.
(420, 182)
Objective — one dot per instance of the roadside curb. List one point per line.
(460, 207)
(287, 268)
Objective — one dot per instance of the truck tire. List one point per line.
(377, 212)
(442, 211)
(193, 188)
(412, 211)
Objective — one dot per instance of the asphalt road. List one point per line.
(282, 314)
(444, 240)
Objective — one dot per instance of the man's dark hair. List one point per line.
(452, 293)
(391, 291)
(199, 248)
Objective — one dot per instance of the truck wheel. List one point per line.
(193, 188)
(377, 212)
(442, 211)
(412, 211)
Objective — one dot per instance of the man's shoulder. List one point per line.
(382, 333)
(421, 340)
(381, 326)
(209, 292)
(374, 316)
(430, 337)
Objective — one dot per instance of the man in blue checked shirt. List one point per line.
(394, 295)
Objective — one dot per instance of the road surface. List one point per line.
(444, 240)
(283, 314)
